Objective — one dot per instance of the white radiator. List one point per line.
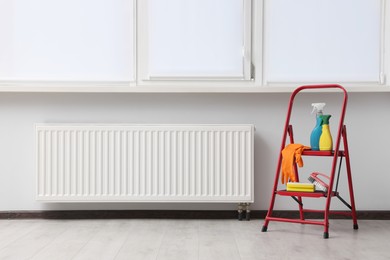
(144, 163)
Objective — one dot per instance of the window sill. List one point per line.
(125, 87)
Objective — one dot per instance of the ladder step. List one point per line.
(316, 194)
(301, 221)
(321, 153)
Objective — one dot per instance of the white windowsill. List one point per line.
(125, 87)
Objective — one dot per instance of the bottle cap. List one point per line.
(325, 119)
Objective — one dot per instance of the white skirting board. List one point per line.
(144, 163)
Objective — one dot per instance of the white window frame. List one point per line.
(356, 86)
(44, 85)
(142, 42)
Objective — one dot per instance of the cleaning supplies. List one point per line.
(317, 131)
(299, 186)
(318, 182)
(291, 154)
(326, 142)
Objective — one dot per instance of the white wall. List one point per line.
(367, 119)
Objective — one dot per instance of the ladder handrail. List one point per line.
(287, 126)
(301, 88)
(340, 125)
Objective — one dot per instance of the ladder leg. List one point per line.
(326, 217)
(272, 202)
(349, 176)
(351, 195)
(273, 197)
(300, 203)
(269, 213)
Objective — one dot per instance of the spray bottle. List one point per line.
(326, 142)
(317, 131)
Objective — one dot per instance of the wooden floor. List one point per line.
(190, 239)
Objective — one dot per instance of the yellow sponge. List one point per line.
(298, 186)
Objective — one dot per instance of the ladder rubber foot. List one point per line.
(326, 235)
(240, 216)
(264, 229)
(355, 226)
(248, 216)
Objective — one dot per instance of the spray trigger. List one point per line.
(318, 107)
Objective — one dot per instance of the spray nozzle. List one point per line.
(318, 107)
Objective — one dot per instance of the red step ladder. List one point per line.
(332, 192)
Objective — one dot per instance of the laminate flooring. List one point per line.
(171, 239)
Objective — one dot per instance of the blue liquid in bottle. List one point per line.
(316, 134)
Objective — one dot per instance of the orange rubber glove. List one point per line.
(291, 154)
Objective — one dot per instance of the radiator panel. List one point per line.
(145, 163)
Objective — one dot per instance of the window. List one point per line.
(323, 41)
(67, 40)
(198, 39)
